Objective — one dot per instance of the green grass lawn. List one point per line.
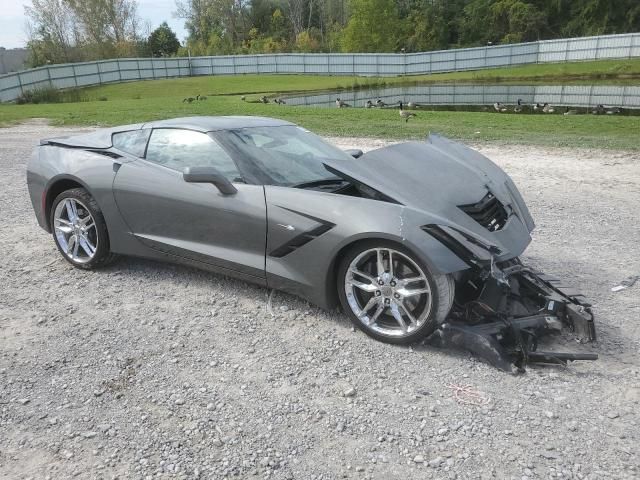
(149, 100)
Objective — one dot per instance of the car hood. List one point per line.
(437, 177)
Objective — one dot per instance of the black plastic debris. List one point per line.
(502, 310)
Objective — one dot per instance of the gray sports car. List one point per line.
(401, 238)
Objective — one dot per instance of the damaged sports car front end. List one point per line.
(501, 307)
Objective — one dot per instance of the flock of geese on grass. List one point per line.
(264, 99)
(197, 98)
(519, 107)
(547, 108)
(406, 114)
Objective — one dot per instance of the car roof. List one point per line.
(210, 124)
(102, 138)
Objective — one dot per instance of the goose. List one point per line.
(405, 113)
(264, 99)
(188, 100)
(202, 97)
(599, 110)
(243, 98)
(198, 97)
(614, 111)
(518, 107)
(546, 108)
(570, 112)
(411, 105)
(369, 104)
(341, 104)
(380, 103)
(537, 107)
(498, 107)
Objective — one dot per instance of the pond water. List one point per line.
(482, 97)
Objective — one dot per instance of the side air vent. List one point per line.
(301, 240)
(488, 212)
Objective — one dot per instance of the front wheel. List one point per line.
(390, 294)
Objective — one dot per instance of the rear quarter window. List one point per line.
(133, 142)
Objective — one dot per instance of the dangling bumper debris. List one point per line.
(502, 310)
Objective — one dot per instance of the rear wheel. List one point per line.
(79, 229)
(390, 294)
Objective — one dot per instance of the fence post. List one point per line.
(75, 76)
(20, 83)
(597, 49)
(49, 77)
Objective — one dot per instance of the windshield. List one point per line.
(286, 155)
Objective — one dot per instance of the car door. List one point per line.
(192, 220)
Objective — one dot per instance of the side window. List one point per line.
(177, 149)
(133, 142)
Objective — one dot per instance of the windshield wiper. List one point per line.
(318, 183)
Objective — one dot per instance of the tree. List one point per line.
(163, 41)
(75, 30)
(107, 24)
(224, 18)
(374, 26)
(52, 30)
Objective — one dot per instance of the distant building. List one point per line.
(13, 59)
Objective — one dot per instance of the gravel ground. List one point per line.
(148, 370)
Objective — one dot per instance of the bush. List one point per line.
(40, 95)
(50, 95)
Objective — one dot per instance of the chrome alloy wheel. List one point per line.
(388, 292)
(75, 230)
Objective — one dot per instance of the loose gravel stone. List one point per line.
(349, 392)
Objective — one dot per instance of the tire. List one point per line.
(89, 248)
(373, 307)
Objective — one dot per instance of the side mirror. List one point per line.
(209, 175)
(354, 152)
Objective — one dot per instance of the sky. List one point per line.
(13, 22)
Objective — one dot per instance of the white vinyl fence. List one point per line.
(361, 64)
